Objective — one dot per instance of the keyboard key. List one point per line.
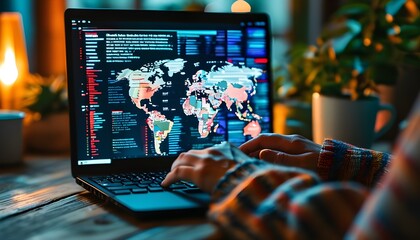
(177, 186)
(139, 190)
(122, 192)
(128, 183)
(155, 189)
(116, 180)
(119, 188)
(107, 184)
(189, 184)
(146, 182)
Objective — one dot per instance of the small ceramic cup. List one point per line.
(11, 137)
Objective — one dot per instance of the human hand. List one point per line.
(202, 167)
(289, 150)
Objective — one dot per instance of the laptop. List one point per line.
(145, 86)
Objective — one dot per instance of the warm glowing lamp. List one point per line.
(240, 6)
(13, 60)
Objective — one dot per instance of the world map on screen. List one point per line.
(205, 92)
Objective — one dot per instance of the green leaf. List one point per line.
(353, 9)
(336, 30)
(331, 89)
(410, 31)
(410, 45)
(393, 6)
(44, 100)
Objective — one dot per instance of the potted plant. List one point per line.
(47, 121)
(358, 49)
(293, 96)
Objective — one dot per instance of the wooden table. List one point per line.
(40, 200)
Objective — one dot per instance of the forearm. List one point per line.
(341, 161)
(260, 200)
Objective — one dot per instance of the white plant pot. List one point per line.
(349, 121)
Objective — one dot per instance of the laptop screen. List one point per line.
(155, 84)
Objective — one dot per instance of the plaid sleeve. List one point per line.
(342, 161)
(393, 211)
(258, 200)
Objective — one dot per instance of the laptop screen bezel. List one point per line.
(142, 15)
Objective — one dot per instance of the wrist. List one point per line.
(325, 159)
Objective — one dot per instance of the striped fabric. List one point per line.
(258, 200)
(274, 202)
(342, 161)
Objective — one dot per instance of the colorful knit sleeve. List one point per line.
(342, 161)
(258, 200)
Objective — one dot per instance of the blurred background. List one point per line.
(294, 22)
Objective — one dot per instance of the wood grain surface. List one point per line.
(40, 200)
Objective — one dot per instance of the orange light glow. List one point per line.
(13, 60)
(412, 8)
(8, 70)
(240, 6)
(367, 42)
(389, 18)
(397, 29)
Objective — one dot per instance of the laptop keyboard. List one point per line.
(140, 183)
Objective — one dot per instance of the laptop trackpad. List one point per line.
(156, 201)
(195, 195)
